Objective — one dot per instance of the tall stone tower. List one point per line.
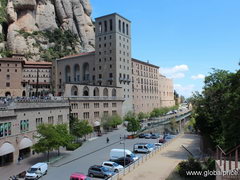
(113, 55)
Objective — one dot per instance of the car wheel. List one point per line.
(45, 172)
(91, 175)
(105, 177)
(116, 171)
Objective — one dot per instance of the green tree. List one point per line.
(64, 138)
(80, 128)
(116, 120)
(133, 124)
(106, 122)
(47, 139)
(173, 125)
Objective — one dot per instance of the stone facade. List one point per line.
(18, 122)
(24, 78)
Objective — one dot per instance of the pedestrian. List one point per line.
(19, 159)
(107, 140)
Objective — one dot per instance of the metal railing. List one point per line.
(229, 157)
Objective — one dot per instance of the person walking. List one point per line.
(107, 140)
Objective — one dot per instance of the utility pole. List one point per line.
(124, 154)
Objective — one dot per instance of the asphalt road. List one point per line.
(93, 152)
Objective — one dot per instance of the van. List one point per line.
(37, 171)
(118, 153)
(78, 176)
(142, 148)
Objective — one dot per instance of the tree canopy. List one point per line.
(217, 109)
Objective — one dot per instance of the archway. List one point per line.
(74, 91)
(114, 92)
(67, 73)
(96, 92)
(8, 94)
(85, 91)
(86, 76)
(76, 73)
(105, 92)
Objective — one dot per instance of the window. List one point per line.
(110, 75)
(5, 129)
(111, 24)
(105, 26)
(24, 125)
(38, 121)
(100, 27)
(96, 105)
(51, 120)
(127, 29)
(100, 76)
(105, 113)
(86, 105)
(60, 119)
(8, 76)
(15, 70)
(8, 84)
(86, 115)
(105, 105)
(114, 112)
(96, 114)
(114, 104)
(100, 67)
(123, 27)
(119, 25)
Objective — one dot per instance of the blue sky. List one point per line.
(186, 38)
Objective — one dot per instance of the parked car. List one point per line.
(37, 171)
(100, 171)
(142, 135)
(148, 136)
(79, 176)
(113, 166)
(162, 140)
(155, 136)
(158, 144)
(128, 160)
(142, 148)
(118, 153)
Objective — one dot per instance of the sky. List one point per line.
(186, 38)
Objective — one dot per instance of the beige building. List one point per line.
(145, 86)
(166, 91)
(24, 78)
(18, 122)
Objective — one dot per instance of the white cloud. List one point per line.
(199, 76)
(186, 91)
(175, 72)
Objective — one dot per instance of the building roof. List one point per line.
(112, 15)
(145, 63)
(78, 55)
(11, 59)
(42, 63)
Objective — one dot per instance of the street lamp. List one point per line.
(123, 142)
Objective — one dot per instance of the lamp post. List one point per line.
(124, 155)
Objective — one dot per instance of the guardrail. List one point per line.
(141, 160)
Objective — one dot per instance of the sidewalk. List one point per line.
(162, 164)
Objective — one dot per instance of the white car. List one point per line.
(37, 171)
(113, 166)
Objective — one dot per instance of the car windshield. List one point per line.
(105, 169)
(115, 164)
(32, 170)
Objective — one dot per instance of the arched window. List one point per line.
(23, 93)
(96, 92)
(127, 28)
(85, 91)
(76, 73)
(74, 91)
(86, 75)
(67, 73)
(105, 92)
(114, 93)
(123, 27)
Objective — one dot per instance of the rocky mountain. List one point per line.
(46, 29)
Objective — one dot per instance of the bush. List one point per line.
(73, 146)
(190, 165)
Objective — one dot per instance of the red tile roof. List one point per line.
(76, 55)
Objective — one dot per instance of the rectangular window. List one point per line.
(96, 114)
(86, 105)
(96, 105)
(114, 112)
(105, 105)
(105, 113)
(127, 29)
(86, 115)
(100, 27)
(5, 129)
(111, 24)
(105, 26)
(38, 121)
(8, 84)
(114, 104)
(51, 120)
(24, 125)
(60, 119)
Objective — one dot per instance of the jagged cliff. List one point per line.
(45, 29)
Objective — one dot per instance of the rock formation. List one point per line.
(29, 16)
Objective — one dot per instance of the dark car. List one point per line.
(100, 171)
(120, 161)
(155, 136)
(142, 135)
